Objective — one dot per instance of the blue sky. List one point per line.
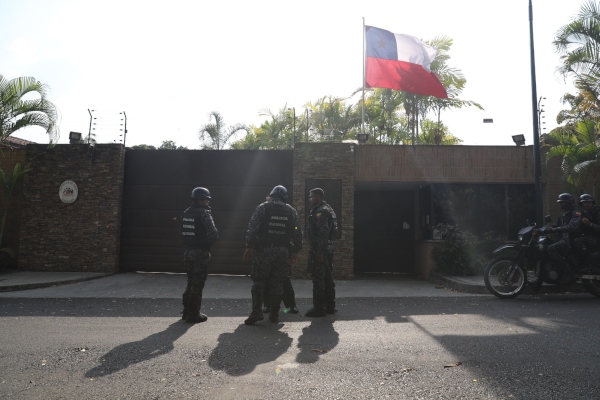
(168, 64)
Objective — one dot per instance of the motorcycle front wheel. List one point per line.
(504, 279)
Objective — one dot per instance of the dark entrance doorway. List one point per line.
(384, 231)
(157, 188)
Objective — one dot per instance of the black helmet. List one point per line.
(200, 193)
(586, 197)
(565, 198)
(279, 191)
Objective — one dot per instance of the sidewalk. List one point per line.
(169, 285)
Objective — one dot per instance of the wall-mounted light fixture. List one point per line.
(74, 137)
(362, 137)
(519, 140)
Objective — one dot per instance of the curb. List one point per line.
(463, 287)
(41, 285)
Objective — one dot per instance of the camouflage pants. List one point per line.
(583, 243)
(195, 262)
(559, 251)
(322, 277)
(270, 269)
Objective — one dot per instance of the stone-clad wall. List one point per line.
(80, 236)
(327, 161)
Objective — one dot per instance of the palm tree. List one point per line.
(17, 113)
(214, 135)
(579, 45)
(579, 153)
(452, 79)
(437, 134)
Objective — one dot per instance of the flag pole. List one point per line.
(363, 89)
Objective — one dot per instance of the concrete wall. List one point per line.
(473, 164)
(80, 236)
(327, 161)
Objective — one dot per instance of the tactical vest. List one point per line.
(278, 225)
(193, 232)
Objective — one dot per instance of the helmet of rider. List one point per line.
(200, 193)
(565, 198)
(280, 192)
(586, 198)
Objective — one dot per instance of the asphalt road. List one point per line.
(468, 347)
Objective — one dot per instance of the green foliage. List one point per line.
(17, 113)
(391, 117)
(143, 147)
(462, 253)
(215, 134)
(171, 145)
(437, 134)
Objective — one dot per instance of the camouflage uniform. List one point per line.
(567, 224)
(590, 239)
(198, 232)
(322, 229)
(270, 266)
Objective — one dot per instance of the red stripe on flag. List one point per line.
(405, 76)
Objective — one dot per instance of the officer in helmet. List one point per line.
(198, 233)
(590, 225)
(273, 240)
(567, 224)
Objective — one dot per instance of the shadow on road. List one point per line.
(127, 354)
(241, 351)
(317, 338)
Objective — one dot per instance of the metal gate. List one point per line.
(384, 231)
(157, 189)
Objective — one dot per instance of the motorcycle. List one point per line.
(506, 277)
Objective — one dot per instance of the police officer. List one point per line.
(322, 229)
(273, 240)
(567, 224)
(289, 296)
(590, 225)
(198, 233)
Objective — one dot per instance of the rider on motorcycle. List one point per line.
(590, 225)
(567, 225)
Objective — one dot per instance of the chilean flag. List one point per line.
(401, 62)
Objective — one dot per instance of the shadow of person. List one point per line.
(240, 352)
(127, 354)
(317, 338)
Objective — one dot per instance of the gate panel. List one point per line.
(382, 241)
(157, 189)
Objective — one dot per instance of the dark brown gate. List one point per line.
(384, 231)
(157, 189)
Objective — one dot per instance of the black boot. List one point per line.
(275, 304)
(536, 284)
(257, 314)
(330, 301)
(193, 312)
(267, 301)
(289, 298)
(186, 299)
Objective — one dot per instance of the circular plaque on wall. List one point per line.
(68, 192)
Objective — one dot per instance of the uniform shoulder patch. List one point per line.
(577, 213)
(319, 215)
